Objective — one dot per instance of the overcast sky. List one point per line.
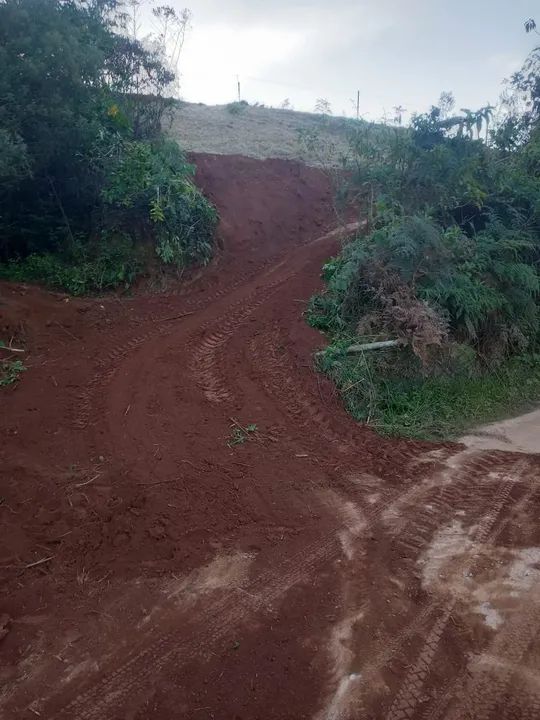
(395, 52)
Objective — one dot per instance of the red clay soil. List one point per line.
(151, 568)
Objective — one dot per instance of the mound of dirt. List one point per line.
(264, 207)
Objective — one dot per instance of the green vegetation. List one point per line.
(82, 267)
(240, 434)
(447, 266)
(10, 371)
(90, 188)
(375, 389)
(237, 107)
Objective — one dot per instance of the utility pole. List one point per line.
(238, 84)
(358, 104)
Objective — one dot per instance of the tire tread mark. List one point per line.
(405, 704)
(144, 662)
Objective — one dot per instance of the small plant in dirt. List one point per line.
(240, 433)
(10, 371)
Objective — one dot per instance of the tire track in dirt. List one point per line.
(206, 357)
(207, 361)
(481, 689)
(177, 647)
(417, 527)
(340, 437)
(129, 343)
(414, 517)
(107, 365)
(461, 489)
(484, 684)
(409, 696)
(220, 618)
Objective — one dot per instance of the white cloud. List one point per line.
(215, 54)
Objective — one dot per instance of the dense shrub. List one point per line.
(447, 266)
(238, 107)
(148, 191)
(415, 280)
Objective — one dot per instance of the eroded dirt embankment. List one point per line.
(152, 571)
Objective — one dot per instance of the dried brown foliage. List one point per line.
(400, 314)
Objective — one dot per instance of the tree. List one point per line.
(171, 35)
(399, 110)
(486, 115)
(53, 99)
(469, 121)
(530, 26)
(446, 104)
(323, 107)
(521, 101)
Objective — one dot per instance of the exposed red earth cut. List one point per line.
(152, 568)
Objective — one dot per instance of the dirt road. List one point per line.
(153, 569)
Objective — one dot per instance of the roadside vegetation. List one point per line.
(92, 193)
(10, 371)
(446, 267)
(10, 368)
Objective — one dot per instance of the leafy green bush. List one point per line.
(483, 289)
(149, 192)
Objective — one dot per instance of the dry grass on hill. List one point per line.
(260, 132)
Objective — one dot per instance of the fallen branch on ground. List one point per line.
(175, 317)
(363, 347)
(9, 348)
(39, 562)
(87, 482)
(379, 345)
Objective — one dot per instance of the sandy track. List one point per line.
(315, 571)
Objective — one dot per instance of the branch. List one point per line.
(11, 349)
(379, 345)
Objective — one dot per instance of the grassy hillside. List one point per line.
(260, 132)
